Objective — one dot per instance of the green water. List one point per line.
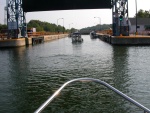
(29, 75)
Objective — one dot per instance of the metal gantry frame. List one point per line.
(120, 9)
(16, 20)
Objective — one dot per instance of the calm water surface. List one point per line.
(29, 75)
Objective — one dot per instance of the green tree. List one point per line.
(143, 14)
(45, 26)
(3, 27)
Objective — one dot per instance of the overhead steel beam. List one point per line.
(47, 5)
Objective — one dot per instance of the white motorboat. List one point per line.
(93, 35)
(76, 37)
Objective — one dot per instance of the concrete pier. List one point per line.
(28, 41)
(12, 42)
(126, 40)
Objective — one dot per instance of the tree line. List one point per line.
(41, 26)
(2, 27)
(45, 26)
(96, 28)
(143, 14)
(50, 27)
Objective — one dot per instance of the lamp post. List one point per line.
(99, 21)
(95, 24)
(136, 14)
(69, 25)
(57, 23)
(63, 25)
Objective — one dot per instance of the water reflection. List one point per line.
(29, 75)
(120, 75)
(14, 83)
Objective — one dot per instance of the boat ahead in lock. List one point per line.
(76, 37)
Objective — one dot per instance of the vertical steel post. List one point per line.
(63, 25)
(120, 7)
(120, 28)
(136, 14)
(15, 19)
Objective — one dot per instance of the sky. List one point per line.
(78, 18)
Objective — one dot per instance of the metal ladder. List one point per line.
(39, 110)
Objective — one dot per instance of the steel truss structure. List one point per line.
(16, 19)
(120, 17)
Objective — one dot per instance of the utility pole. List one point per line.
(99, 22)
(57, 24)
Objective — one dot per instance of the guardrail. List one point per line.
(41, 108)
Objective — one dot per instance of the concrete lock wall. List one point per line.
(130, 41)
(125, 40)
(54, 37)
(28, 41)
(12, 42)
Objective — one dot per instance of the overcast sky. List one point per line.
(79, 18)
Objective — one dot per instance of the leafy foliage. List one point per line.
(96, 28)
(45, 26)
(143, 14)
(49, 27)
(3, 27)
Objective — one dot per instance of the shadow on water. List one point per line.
(29, 75)
(20, 87)
(119, 76)
(15, 79)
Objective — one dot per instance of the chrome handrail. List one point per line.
(146, 110)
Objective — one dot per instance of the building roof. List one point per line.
(140, 21)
